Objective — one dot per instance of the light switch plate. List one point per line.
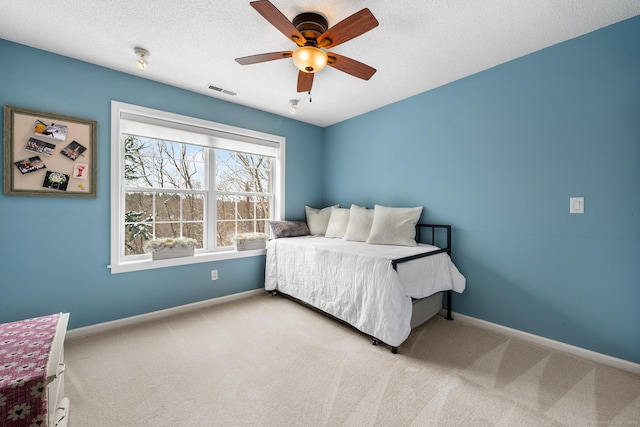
(576, 205)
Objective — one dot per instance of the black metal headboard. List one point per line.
(434, 235)
(422, 229)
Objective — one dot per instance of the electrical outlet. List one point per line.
(214, 274)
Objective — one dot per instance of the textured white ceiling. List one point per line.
(419, 44)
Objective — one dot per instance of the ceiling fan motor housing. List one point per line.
(311, 26)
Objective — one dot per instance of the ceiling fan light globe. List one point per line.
(309, 59)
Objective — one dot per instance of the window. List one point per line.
(176, 176)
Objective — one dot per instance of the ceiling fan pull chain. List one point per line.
(309, 97)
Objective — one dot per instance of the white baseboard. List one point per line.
(102, 327)
(614, 362)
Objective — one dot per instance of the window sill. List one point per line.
(149, 264)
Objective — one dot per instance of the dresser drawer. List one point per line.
(60, 414)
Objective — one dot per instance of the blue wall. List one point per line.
(56, 250)
(498, 155)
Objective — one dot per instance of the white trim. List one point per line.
(149, 264)
(154, 315)
(593, 356)
(199, 132)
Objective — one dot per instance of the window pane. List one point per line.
(196, 178)
(194, 230)
(165, 174)
(245, 207)
(225, 232)
(252, 226)
(191, 166)
(164, 164)
(242, 172)
(137, 221)
(262, 227)
(171, 150)
(138, 158)
(226, 215)
(140, 203)
(252, 207)
(167, 229)
(193, 207)
(136, 235)
(262, 207)
(167, 207)
(245, 227)
(226, 207)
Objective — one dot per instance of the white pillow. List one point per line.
(394, 226)
(318, 219)
(360, 221)
(337, 223)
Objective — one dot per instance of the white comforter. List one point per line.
(355, 281)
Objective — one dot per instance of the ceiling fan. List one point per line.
(311, 33)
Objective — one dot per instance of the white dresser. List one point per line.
(57, 402)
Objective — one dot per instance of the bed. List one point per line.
(382, 290)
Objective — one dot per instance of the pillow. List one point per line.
(281, 229)
(360, 220)
(337, 223)
(394, 226)
(318, 219)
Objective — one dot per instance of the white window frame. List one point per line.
(124, 116)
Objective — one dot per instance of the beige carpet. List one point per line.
(267, 361)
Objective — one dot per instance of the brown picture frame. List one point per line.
(48, 154)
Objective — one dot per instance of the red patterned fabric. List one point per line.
(25, 348)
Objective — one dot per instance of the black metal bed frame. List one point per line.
(394, 264)
(446, 249)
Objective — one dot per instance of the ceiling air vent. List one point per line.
(219, 89)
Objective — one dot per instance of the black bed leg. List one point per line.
(394, 350)
(449, 306)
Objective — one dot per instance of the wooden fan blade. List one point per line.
(278, 20)
(347, 29)
(263, 57)
(350, 66)
(305, 81)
